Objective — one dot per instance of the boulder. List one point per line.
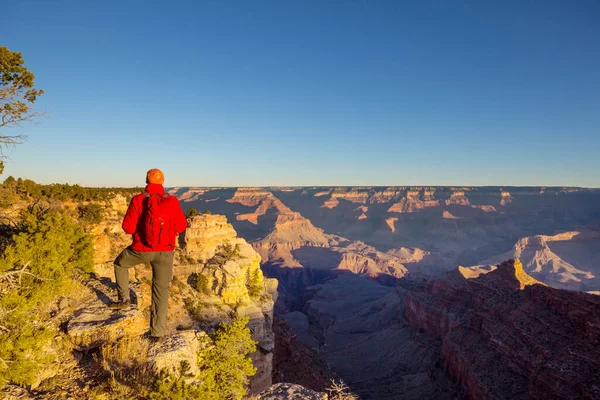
(176, 349)
(96, 324)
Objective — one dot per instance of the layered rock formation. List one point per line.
(229, 286)
(506, 336)
(460, 225)
(568, 260)
(205, 234)
(108, 236)
(426, 338)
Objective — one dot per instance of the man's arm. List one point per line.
(131, 218)
(179, 218)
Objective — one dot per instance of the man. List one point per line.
(154, 219)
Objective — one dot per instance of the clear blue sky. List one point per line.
(311, 92)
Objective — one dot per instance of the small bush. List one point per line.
(201, 284)
(191, 212)
(256, 284)
(35, 269)
(338, 390)
(90, 214)
(225, 367)
(226, 252)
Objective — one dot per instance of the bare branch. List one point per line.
(8, 276)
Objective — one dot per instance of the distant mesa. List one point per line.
(330, 203)
(458, 197)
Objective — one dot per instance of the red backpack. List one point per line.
(159, 226)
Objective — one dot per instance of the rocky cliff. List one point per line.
(229, 286)
(504, 335)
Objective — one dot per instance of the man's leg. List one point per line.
(127, 259)
(162, 274)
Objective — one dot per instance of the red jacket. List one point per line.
(133, 224)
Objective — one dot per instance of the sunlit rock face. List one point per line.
(205, 233)
(229, 285)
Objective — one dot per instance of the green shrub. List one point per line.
(34, 270)
(191, 212)
(90, 214)
(226, 252)
(194, 308)
(57, 191)
(225, 367)
(256, 284)
(201, 284)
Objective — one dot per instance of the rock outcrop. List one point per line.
(290, 391)
(554, 259)
(175, 349)
(93, 323)
(205, 233)
(506, 336)
(235, 283)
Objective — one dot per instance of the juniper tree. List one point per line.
(17, 94)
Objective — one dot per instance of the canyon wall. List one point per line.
(504, 335)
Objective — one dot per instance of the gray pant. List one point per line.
(162, 274)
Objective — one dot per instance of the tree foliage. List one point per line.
(224, 368)
(34, 270)
(191, 212)
(90, 214)
(17, 94)
(256, 283)
(28, 189)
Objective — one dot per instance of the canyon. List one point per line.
(408, 292)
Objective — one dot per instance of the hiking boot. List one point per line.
(120, 305)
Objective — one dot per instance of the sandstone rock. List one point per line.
(554, 260)
(411, 205)
(102, 249)
(228, 284)
(205, 234)
(177, 348)
(94, 325)
(290, 391)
